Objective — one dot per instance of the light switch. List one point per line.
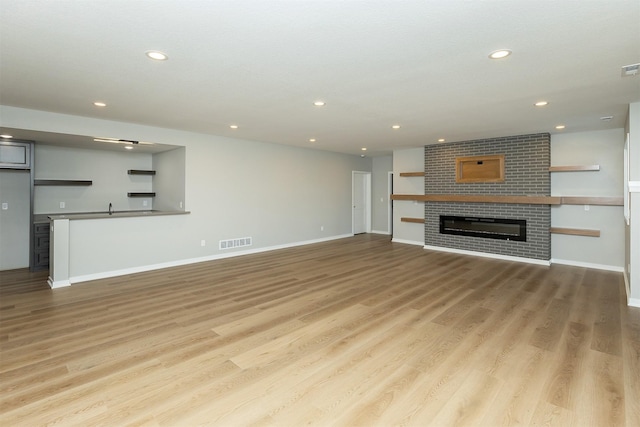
(5, 206)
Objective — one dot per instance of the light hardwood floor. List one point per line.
(353, 332)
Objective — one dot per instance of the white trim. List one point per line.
(615, 268)
(634, 186)
(488, 255)
(386, 233)
(389, 202)
(58, 284)
(143, 268)
(407, 242)
(634, 302)
(627, 286)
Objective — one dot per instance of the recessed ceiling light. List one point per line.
(233, 126)
(441, 140)
(395, 127)
(99, 104)
(499, 54)
(364, 148)
(156, 55)
(541, 103)
(319, 103)
(559, 127)
(312, 140)
(128, 147)
(6, 136)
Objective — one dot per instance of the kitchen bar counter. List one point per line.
(40, 218)
(68, 234)
(115, 214)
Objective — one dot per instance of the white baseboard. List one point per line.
(634, 302)
(386, 233)
(489, 255)
(59, 284)
(588, 265)
(177, 263)
(407, 242)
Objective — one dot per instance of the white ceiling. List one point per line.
(261, 64)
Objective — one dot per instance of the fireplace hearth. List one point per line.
(489, 228)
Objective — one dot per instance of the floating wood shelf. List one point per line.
(407, 174)
(140, 172)
(574, 168)
(62, 182)
(575, 231)
(597, 201)
(468, 198)
(415, 220)
(519, 200)
(141, 194)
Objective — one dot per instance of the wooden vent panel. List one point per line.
(480, 168)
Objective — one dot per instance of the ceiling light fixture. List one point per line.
(128, 147)
(560, 127)
(499, 54)
(395, 127)
(233, 126)
(441, 140)
(319, 103)
(156, 55)
(541, 104)
(6, 136)
(364, 148)
(99, 104)
(312, 140)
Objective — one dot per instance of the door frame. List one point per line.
(367, 200)
(390, 202)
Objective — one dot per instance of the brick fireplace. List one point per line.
(526, 173)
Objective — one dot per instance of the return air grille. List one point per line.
(235, 243)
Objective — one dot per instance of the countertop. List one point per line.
(40, 218)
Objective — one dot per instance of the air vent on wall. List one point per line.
(235, 243)
(630, 70)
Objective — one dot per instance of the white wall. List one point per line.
(381, 201)
(604, 148)
(409, 160)
(169, 181)
(14, 221)
(107, 170)
(277, 194)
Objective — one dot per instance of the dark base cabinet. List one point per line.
(41, 246)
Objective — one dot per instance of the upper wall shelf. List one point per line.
(574, 168)
(140, 172)
(141, 194)
(62, 182)
(407, 174)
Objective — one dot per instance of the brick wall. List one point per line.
(527, 159)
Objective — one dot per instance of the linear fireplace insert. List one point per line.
(490, 228)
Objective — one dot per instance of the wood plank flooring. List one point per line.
(353, 332)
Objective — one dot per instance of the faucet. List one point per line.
(110, 209)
